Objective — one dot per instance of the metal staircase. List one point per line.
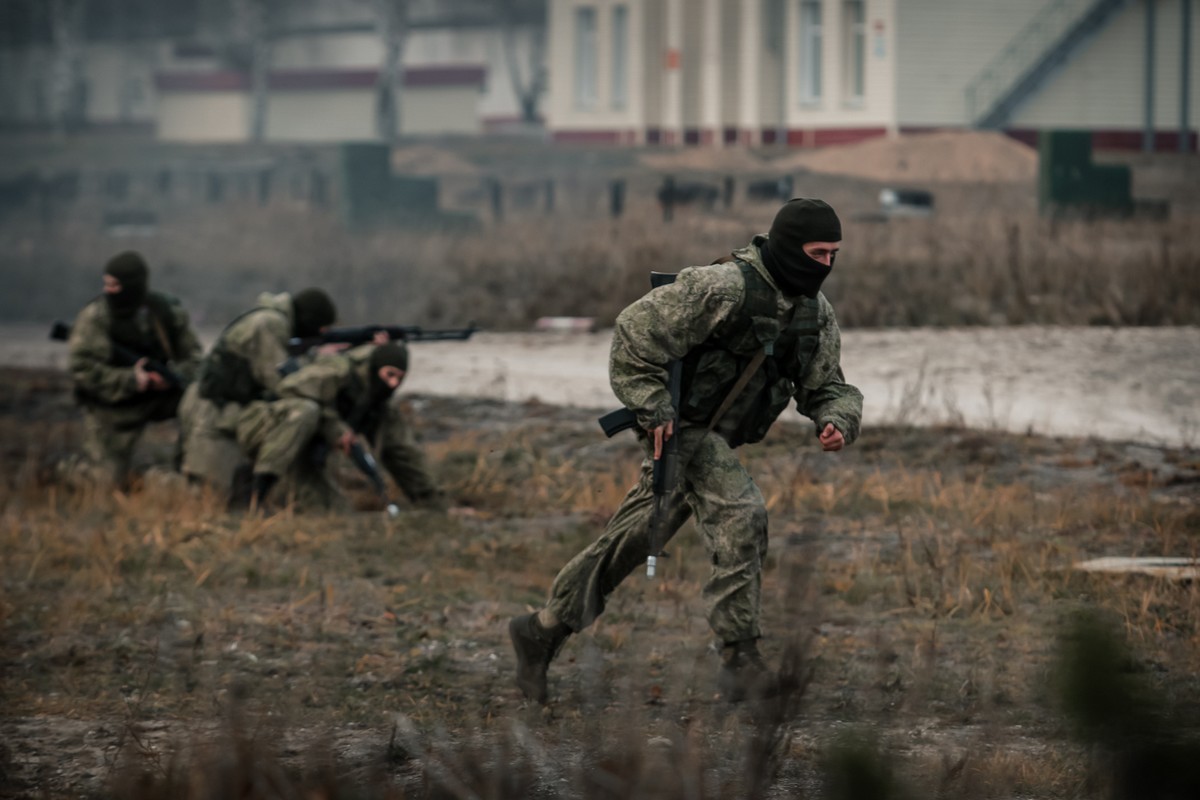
(1039, 49)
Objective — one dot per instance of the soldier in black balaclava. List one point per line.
(335, 403)
(132, 352)
(752, 334)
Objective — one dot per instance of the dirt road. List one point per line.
(1136, 384)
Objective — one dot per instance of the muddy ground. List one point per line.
(920, 582)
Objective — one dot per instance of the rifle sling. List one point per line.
(742, 380)
(162, 338)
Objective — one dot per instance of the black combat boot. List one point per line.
(744, 675)
(535, 646)
(241, 489)
(263, 483)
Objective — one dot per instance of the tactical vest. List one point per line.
(226, 376)
(711, 370)
(139, 332)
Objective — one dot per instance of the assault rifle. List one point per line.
(666, 468)
(123, 356)
(362, 334)
(367, 464)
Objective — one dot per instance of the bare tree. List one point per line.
(529, 84)
(68, 90)
(392, 20)
(251, 52)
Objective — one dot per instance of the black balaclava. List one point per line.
(313, 310)
(365, 415)
(800, 221)
(392, 354)
(130, 269)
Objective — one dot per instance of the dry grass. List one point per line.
(985, 257)
(154, 646)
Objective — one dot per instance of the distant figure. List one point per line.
(672, 193)
(338, 402)
(243, 367)
(753, 333)
(770, 189)
(131, 354)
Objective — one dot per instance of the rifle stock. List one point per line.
(124, 357)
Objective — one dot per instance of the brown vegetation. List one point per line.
(153, 646)
(984, 256)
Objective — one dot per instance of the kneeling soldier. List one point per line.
(131, 353)
(328, 405)
(243, 367)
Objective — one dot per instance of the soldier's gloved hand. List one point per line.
(147, 381)
(831, 438)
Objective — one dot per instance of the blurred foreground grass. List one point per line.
(154, 646)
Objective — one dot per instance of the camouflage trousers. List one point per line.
(208, 439)
(217, 441)
(111, 433)
(281, 438)
(731, 516)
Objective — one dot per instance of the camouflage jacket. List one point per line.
(697, 311)
(244, 362)
(336, 382)
(90, 348)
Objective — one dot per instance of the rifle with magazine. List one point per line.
(666, 468)
(362, 334)
(123, 356)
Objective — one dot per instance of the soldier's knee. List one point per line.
(300, 413)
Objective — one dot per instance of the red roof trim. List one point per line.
(305, 79)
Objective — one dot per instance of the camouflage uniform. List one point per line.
(713, 318)
(116, 413)
(315, 407)
(242, 367)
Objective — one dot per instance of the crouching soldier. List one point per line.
(243, 367)
(332, 404)
(131, 354)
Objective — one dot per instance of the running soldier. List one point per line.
(758, 320)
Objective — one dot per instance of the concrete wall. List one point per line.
(322, 115)
(204, 116)
(423, 47)
(943, 45)
(120, 78)
(1104, 87)
(560, 107)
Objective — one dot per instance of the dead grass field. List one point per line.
(153, 646)
(984, 257)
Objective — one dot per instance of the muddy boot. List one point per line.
(744, 675)
(535, 646)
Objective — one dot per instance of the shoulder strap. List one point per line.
(737, 388)
(759, 300)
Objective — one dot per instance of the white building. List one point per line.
(815, 72)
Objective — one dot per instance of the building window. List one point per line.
(585, 58)
(620, 55)
(855, 49)
(810, 51)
